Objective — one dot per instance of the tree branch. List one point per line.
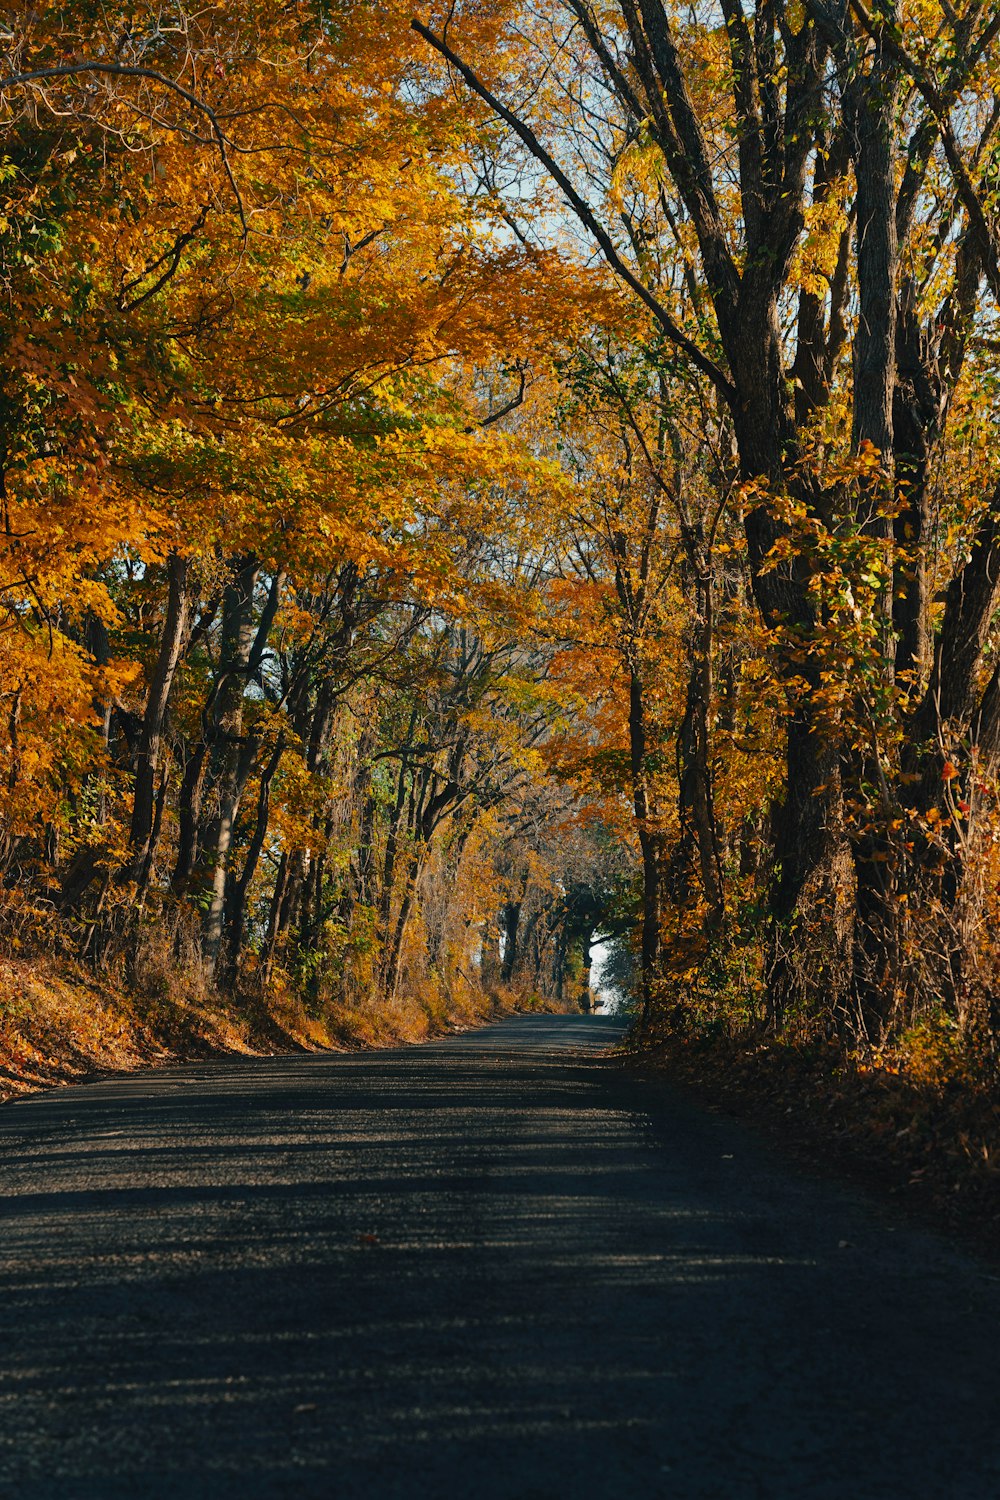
(939, 108)
(585, 214)
(126, 70)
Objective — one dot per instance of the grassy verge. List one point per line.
(59, 1023)
(928, 1137)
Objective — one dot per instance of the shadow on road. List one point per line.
(491, 1266)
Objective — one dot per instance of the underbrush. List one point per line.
(920, 1121)
(60, 1021)
(63, 1019)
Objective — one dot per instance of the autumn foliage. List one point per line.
(273, 704)
(477, 486)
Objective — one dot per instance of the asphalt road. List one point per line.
(494, 1267)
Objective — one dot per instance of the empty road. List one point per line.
(496, 1266)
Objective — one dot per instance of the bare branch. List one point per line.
(586, 216)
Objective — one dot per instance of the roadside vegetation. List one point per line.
(479, 486)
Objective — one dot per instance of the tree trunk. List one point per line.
(699, 829)
(394, 959)
(189, 819)
(147, 757)
(146, 868)
(229, 762)
(649, 846)
(869, 110)
(510, 917)
(237, 896)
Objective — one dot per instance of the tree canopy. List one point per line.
(475, 482)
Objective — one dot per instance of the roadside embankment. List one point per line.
(62, 1023)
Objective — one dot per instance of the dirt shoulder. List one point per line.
(931, 1147)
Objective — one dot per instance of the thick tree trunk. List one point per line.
(585, 998)
(869, 110)
(804, 825)
(394, 831)
(559, 967)
(274, 910)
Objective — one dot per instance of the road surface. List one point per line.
(493, 1267)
